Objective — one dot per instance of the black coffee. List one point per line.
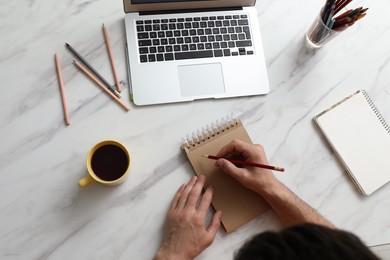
(109, 162)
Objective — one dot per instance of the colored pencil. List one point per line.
(118, 86)
(246, 163)
(101, 85)
(62, 89)
(341, 4)
(81, 58)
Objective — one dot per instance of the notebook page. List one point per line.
(360, 140)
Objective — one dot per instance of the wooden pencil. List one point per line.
(118, 86)
(86, 72)
(62, 89)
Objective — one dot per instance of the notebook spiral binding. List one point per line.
(376, 111)
(210, 131)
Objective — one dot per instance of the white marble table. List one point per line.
(43, 213)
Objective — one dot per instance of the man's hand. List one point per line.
(256, 179)
(185, 234)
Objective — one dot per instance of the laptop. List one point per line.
(184, 50)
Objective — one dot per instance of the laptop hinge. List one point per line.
(190, 10)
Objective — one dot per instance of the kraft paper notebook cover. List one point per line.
(238, 204)
(360, 138)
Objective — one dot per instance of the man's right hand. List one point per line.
(254, 178)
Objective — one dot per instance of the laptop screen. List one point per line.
(158, 5)
(156, 1)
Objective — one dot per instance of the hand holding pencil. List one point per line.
(255, 178)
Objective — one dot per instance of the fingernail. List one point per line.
(220, 162)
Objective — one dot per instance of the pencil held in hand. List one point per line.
(238, 162)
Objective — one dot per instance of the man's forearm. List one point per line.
(290, 209)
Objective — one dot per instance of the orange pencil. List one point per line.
(118, 86)
(101, 85)
(62, 89)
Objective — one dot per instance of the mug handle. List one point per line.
(84, 182)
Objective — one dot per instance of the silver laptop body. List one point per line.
(187, 50)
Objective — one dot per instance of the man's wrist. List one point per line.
(165, 254)
(272, 188)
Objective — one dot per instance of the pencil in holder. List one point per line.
(320, 33)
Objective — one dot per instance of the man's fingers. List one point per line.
(184, 194)
(196, 191)
(237, 146)
(215, 224)
(231, 169)
(204, 204)
(177, 196)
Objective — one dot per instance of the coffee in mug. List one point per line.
(108, 162)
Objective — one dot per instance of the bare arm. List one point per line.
(290, 209)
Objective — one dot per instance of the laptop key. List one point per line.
(140, 28)
(243, 43)
(184, 47)
(218, 53)
(153, 35)
(169, 48)
(193, 55)
(145, 42)
(226, 52)
(143, 50)
(243, 22)
(168, 56)
(152, 49)
(249, 52)
(143, 58)
(143, 35)
(152, 58)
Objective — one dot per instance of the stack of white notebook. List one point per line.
(360, 138)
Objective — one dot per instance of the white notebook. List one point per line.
(360, 138)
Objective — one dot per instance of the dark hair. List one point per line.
(306, 241)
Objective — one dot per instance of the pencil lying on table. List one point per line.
(246, 163)
(118, 85)
(86, 72)
(62, 89)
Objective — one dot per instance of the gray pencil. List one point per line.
(111, 88)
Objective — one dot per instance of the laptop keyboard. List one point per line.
(192, 38)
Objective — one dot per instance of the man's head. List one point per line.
(306, 241)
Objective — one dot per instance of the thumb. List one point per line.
(229, 168)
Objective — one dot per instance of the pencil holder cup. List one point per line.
(319, 33)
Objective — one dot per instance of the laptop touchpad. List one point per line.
(201, 79)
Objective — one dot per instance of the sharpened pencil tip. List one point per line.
(204, 155)
(66, 44)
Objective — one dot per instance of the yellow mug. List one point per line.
(108, 162)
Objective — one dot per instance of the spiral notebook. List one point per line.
(238, 204)
(360, 138)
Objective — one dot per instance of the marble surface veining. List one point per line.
(43, 213)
